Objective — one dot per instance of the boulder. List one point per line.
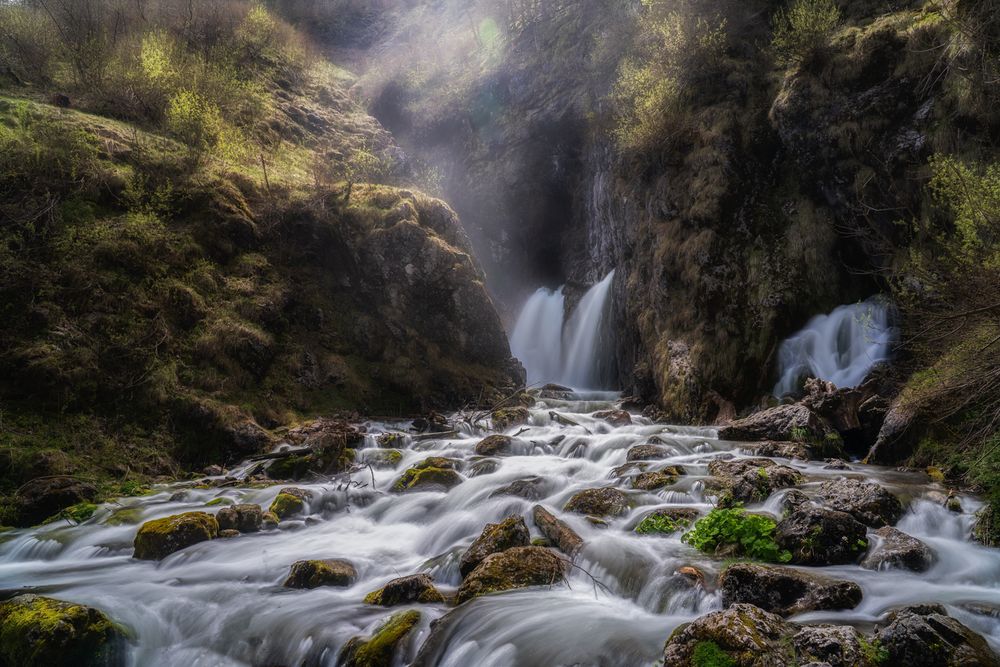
(506, 418)
(647, 453)
(416, 588)
(381, 649)
(741, 636)
(897, 436)
(159, 538)
(896, 549)
(316, 573)
(530, 488)
(785, 591)
(751, 480)
(44, 497)
(784, 422)
(495, 445)
(228, 533)
(496, 537)
(926, 636)
(836, 646)
(383, 458)
(867, 502)
(431, 474)
(557, 531)
(519, 567)
(290, 501)
(667, 521)
(614, 417)
(38, 631)
(650, 481)
(821, 536)
(605, 501)
(247, 518)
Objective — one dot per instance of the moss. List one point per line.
(43, 632)
(221, 500)
(379, 649)
(161, 537)
(124, 516)
(660, 524)
(434, 471)
(74, 514)
(286, 505)
(709, 654)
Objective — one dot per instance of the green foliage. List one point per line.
(802, 31)
(663, 524)
(970, 193)
(872, 651)
(709, 654)
(748, 535)
(75, 514)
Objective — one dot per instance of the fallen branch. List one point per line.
(284, 454)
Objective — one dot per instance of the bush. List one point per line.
(28, 45)
(971, 195)
(739, 533)
(802, 32)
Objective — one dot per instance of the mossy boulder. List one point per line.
(289, 502)
(383, 458)
(529, 488)
(926, 636)
(650, 481)
(750, 480)
(416, 588)
(606, 501)
(614, 417)
(245, 518)
(316, 573)
(43, 498)
(784, 590)
(519, 567)
(432, 473)
(43, 632)
(380, 649)
(496, 537)
(506, 418)
(159, 538)
(646, 453)
(821, 536)
(495, 445)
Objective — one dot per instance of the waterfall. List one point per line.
(841, 347)
(553, 349)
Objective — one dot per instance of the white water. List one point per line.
(555, 350)
(221, 604)
(841, 347)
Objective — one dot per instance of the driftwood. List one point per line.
(432, 436)
(566, 421)
(284, 454)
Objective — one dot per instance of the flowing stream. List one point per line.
(222, 603)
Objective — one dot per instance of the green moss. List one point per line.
(74, 514)
(159, 538)
(660, 524)
(43, 632)
(221, 500)
(286, 505)
(709, 654)
(378, 650)
(434, 471)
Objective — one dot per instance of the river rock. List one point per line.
(519, 567)
(614, 417)
(557, 531)
(781, 450)
(381, 649)
(741, 636)
(38, 631)
(316, 573)
(416, 588)
(434, 473)
(246, 518)
(605, 501)
(667, 520)
(529, 488)
(786, 591)
(784, 422)
(647, 453)
(896, 549)
(159, 538)
(495, 445)
(867, 502)
(42, 498)
(383, 458)
(821, 536)
(925, 636)
(751, 480)
(650, 481)
(506, 418)
(290, 501)
(496, 537)
(835, 646)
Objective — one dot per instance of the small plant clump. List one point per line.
(654, 524)
(802, 31)
(709, 654)
(738, 533)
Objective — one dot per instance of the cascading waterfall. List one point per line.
(841, 347)
(553, 349)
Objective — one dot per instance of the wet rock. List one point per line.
(556, 392)
(896, 549)
(741, 636)
(519, 567)
(557, 531)
(784, 590)
(614, 417)
(925, 636)
(605, 501)
(692, 574)
(836, 646)
(316, 573)
(647, 453)
(667, 520)
(530, 488)
(246, 518)
(289, 502)
(159, 538)
(416, 588)
(38, 631)
(784, 422)
(953, 503)
(42, 498)
(783, 450)
(391, 440)
(649, 481)
(383, 458)
(793, 500)
(821, 536)
(483, 467)
(213, 471)
(495, 445)
(496, 537)
(269, 521)
(381, 649)
(228, 533)
(867, 502)
(434, 473)
(897, 436)
(506, 418)
(751, 480)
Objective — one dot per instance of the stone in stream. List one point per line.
(245, 518)
(750, 480)
(821, 536)
(614, 417)
(867, 502)
(786, 591)
(519, 567)
(496, 537)
(896, 549)
(657, 479)
(416, 588)
(44, 497)
(434, 473)
(506, 418)
(39, 631)
(316, 573)
(529, 488)
(557, 531)
(926, 636)
(667, 521)
(383, 458)
(646, 453)
(606, 501)
(495, 445)
(159, 538)
(290, 501)
(381, 649)
(782, 423)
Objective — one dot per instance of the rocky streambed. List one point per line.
(569, 532)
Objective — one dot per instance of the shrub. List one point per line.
(802, 31)
(748, 535)
(971, 195)
(28, 45)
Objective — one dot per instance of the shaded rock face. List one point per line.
(416, 588)
(868, 502)
(786, 591)
(925, 636)
(784, 422)
(316, 573)
(43, 632)
(821, 536)
(40, 499)
(159, 538)
(896, 549)
(557, 531)
(496, 537)
(598, 502)
(382, 648)
(751, 480)
(519, 567)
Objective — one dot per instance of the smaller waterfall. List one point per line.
(841, 347)
(553, 349)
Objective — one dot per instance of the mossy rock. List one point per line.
(417, 588)
(598, 502)
(124, 516)
(42, 632)
(292, 467)
(380, 649)
(650, 481)
(221, 500)
(496, 537)
(434, 472)
(74, 514)
(383, 458)
(506, 418)
(159, 538)
(289, 502)
(495, 445)
(316, 573)
(519, 567)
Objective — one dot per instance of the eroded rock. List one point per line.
(496, 537)
(866, 501)
(519, 567)
(821, 536)
(784, 590)
(896, 549)
(926, 636)
(495, 445)
(601, 502)
(793, 422)
(381, 648)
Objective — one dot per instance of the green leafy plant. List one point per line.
(748, 535)
(660, 524)
(873, 651)
(802, 31)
